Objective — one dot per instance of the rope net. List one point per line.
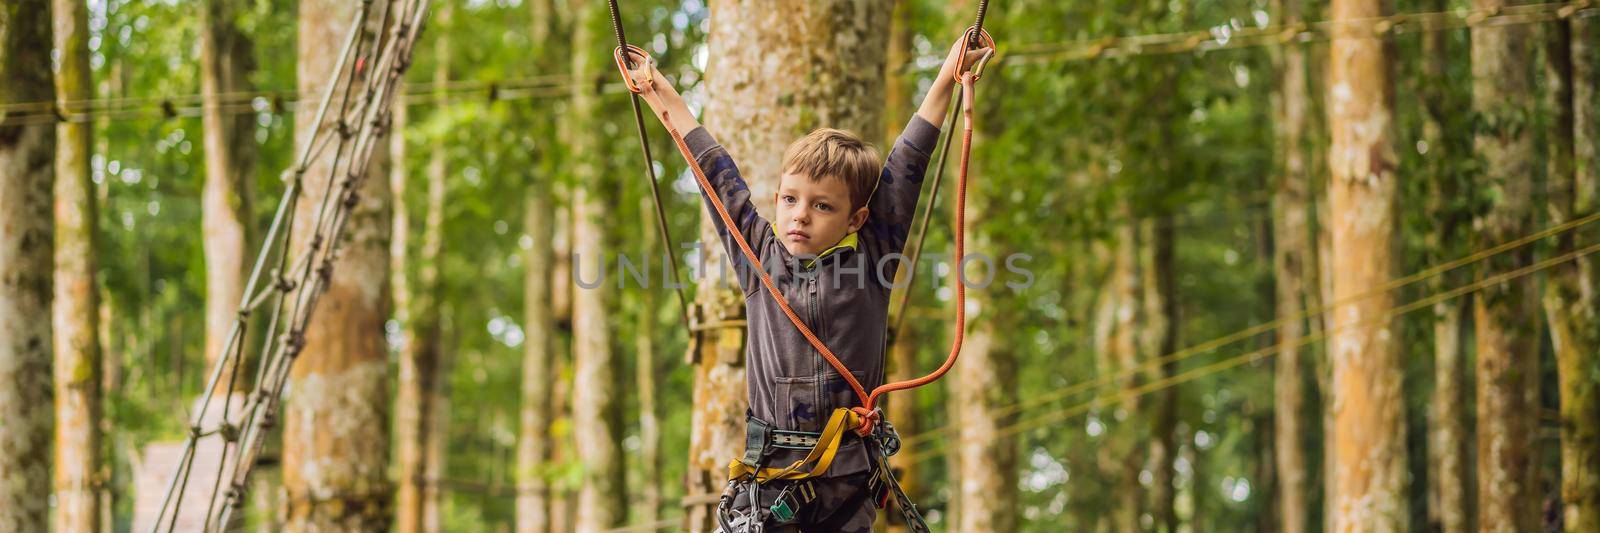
(351, 121)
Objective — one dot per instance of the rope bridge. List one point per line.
(351, 121)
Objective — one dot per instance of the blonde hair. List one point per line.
(828, 152)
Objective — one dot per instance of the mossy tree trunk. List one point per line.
(27, 153)
(1449, 442)
(1571, 302)
(1506, 313)
(76, 307)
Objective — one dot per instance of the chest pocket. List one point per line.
(804, 403)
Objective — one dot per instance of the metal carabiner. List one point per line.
(972, 36)
(624, 58)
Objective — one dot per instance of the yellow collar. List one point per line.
(848, 242)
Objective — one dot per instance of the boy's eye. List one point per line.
(824, 207)
(788, 199)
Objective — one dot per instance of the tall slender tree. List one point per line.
(757, 54)
(1160, 338)
(27, 152)
(597, 413)
(1505, 314)
(1447, 141)
(76, 307)
(1119, 312)
(898, 91)
(538, 365)
(1570, 300)
(645, 370)
(336, 422)
(1291, 238)
(421, 374)
(1368, 485)
(538, 349)
(226, 59)
(561, 445)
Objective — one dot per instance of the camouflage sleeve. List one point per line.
(894, 203)
(731, 188)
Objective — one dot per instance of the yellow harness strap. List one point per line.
(820, 457)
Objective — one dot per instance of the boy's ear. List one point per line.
(858, 218)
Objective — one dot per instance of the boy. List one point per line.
(841, 220)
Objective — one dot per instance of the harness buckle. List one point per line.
(888, 439)
(791, 499)
(757, 441)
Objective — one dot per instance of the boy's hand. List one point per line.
(938, 97)
(650, 81)
(952, 60)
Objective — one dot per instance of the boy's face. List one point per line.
(814, 214)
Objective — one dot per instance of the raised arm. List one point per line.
(937, 101)
(895, 201)
(719, 169)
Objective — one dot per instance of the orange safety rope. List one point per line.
(868, 414)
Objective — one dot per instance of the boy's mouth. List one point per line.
(798, 235)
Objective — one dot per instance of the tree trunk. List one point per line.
(336, 425)
(421, 371)
(645, 381)
(26, 173)
(1368, 408)
(1570, 300)
(838, 47)
(1291, 234)
(436, 443)
(1160, 330)
(898, 86)
(986, 462)
(596, 412)
(901, 411)
(1118, 315)
(76, 306)
(538, 361)
(561, 452)
(1507, 346)
(1448, 438)
(226, 62)
(539, 347)
(409, 430)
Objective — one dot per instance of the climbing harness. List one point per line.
(739, 508)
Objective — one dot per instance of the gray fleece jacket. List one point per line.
(843, 296)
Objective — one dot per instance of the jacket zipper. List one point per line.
(816, 362)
